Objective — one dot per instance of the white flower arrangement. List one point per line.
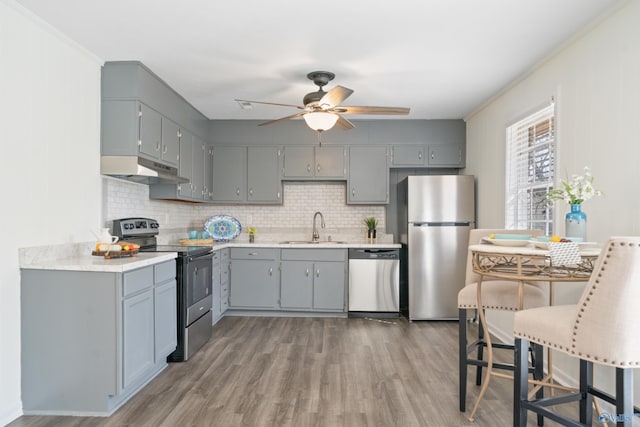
(576, 191)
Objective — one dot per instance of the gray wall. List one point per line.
(371, 132)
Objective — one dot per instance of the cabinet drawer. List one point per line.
(165, 271)
(137, 280)
(314, 254)
(254, 253)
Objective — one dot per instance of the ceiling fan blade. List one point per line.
(344, 124)
(293, 116)
(270, 103)
(373, 110)
(334, 97)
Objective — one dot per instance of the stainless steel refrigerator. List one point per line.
(436, 213)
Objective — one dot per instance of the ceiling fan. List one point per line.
(322, 110)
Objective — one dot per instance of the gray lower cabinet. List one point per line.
(313, 279)
(254, 277)
(368, 181)
(90, 340)
(220, 283)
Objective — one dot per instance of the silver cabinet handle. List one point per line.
(420, 155)
(157, 145)
(318, 168)
(306, 273)
(271, 271)
(238, 191)
(318, 272)
(252, 253)
(353, 191)
(433, 155)
(278, 195)
(308, 167)
(251, 191)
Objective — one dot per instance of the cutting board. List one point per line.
(196, 242)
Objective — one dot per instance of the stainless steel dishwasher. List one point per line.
(374, 276)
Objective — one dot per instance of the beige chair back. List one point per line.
(476, 235)
(606, 328)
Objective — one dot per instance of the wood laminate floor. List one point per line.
(258, 371)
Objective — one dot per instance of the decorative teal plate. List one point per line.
(223, 228)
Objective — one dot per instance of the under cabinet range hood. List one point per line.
(140, 170)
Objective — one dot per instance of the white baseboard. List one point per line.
(10, 413)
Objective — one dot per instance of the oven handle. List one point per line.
(198, 258)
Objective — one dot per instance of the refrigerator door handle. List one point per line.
(442, 224)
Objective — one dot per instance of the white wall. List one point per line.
(596, 81)
(50, 139)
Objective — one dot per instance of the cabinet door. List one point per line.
(298, 162)
(330, 162)
(446, 155)
(200, 155)
(150, 132)
(263, 174)
(185, 165)
(253, 284)
(229, 165)
(208, 174)
(368, 175)
(165, 320)
(328, 285)
(296, 285)
(138, 337)
(170, 142)
(408, 155)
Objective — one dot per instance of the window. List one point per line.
(530, 171)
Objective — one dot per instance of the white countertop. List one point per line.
(79, 258)
(99, 264)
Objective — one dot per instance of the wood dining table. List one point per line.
(524, 263)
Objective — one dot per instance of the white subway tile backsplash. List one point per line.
(300, 201)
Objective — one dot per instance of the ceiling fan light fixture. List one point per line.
(320, 120)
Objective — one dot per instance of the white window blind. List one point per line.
(530, 171)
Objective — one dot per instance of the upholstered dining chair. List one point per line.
(602, 328)
(496, 295)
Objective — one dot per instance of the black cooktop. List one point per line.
(181, 250)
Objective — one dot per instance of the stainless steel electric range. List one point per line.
(194, 282)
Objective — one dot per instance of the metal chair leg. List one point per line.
(462, 356)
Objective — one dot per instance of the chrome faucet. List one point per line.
(316, 235)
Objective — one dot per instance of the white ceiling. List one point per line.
(441, 58)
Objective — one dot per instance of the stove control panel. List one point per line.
(135, 227)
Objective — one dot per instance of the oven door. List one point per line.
(199, 278)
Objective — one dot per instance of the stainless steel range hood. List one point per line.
(140, 170)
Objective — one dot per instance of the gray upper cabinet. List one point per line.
(195, 165)
(306, 162)
(408, 155)
(143, 116)
(170, 149)
(229, 174)
(446, 155)
(263, 175)
(246, 174)
(368, 175)
(431, 155)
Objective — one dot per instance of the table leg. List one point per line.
(487, 337)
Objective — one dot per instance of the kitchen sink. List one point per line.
(310, 242)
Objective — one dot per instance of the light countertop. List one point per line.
(99, 264)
